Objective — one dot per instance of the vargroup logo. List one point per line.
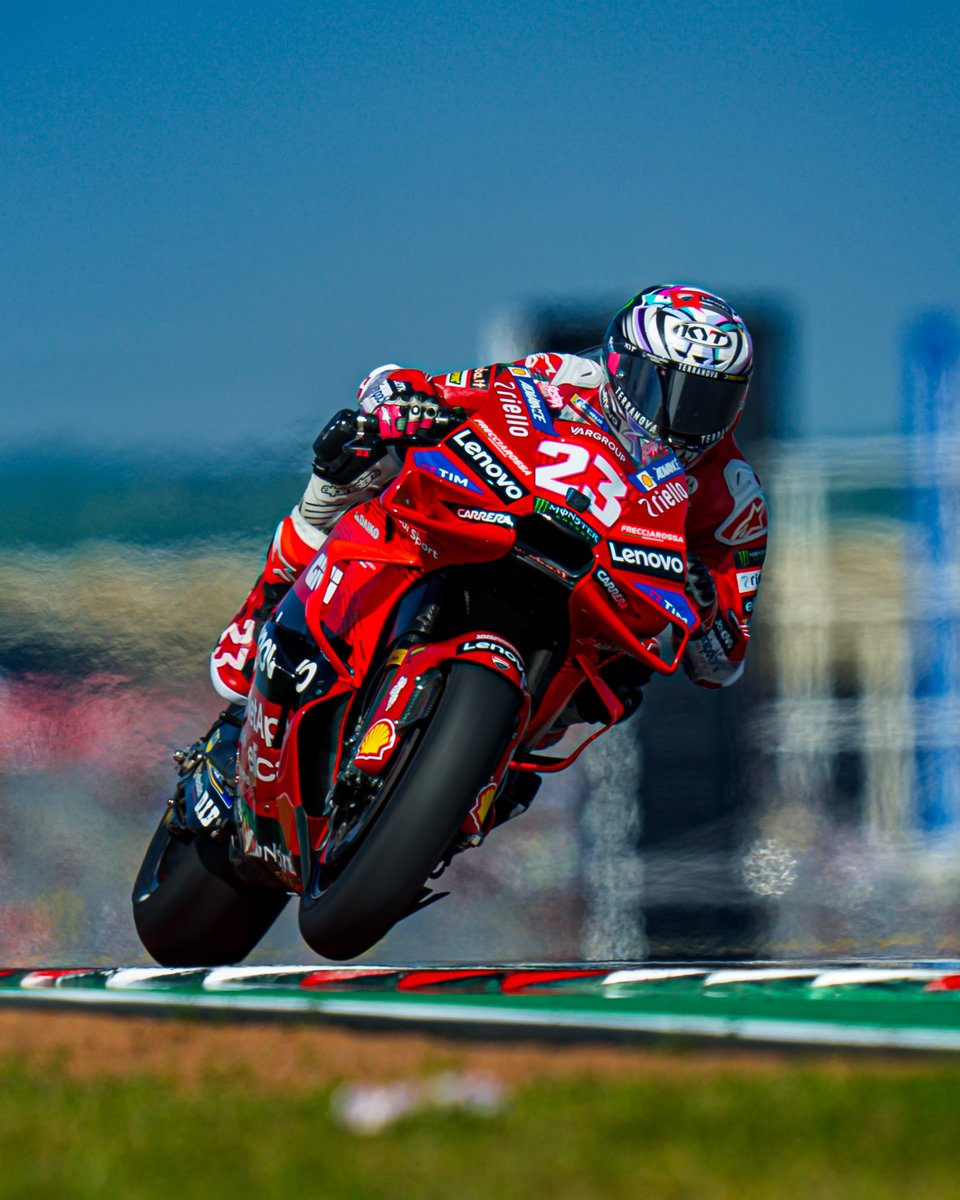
(660, 563)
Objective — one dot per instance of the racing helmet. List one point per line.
(677, 360)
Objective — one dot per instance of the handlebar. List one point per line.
(368, 429)
(352, 434)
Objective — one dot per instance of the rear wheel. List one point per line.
(418, 819)
(189, 907)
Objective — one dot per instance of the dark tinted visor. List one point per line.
(692, 406)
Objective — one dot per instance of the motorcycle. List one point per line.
(409, 685)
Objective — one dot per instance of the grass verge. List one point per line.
(810, 1129)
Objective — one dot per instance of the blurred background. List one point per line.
(217, 219)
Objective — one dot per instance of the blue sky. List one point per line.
(217, 217)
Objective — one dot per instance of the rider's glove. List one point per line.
(403, 412)
(702, 590)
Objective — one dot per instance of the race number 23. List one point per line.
(573, 463)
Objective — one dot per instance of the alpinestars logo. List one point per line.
(660, 563)
(467, 446)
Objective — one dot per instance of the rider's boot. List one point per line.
(232, 661)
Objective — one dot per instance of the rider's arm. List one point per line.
(726, 539)
(344, 477)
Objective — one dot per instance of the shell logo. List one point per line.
(380, 738)
(483, 802)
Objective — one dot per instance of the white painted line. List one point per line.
(853, 976)
(135, 977)
(650, 975)
(51, 978)
(759, 975)
(229, 976)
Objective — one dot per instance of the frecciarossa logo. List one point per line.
(468, 447)
(662, 563)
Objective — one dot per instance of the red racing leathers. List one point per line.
(726, 516)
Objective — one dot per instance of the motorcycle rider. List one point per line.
(673, 370)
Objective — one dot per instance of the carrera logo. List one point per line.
(485, 518)
(467, 446)
(661, 563)
(611, 589)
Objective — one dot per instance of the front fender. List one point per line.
(414, 682)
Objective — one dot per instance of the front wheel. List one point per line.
(456, 756)
(189, 907)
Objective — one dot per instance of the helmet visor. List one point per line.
(677, 402)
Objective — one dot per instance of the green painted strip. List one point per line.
(544, 1019)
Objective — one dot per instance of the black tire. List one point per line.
(191, 910)
(459, 751)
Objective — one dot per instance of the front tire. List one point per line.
(189, 907)
(457, 755)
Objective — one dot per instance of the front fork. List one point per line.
(406, 697)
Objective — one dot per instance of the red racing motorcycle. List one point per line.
(409, 683)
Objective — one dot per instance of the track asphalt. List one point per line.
(909, 1006)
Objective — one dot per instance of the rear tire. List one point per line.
(191, 910)
(459, 751)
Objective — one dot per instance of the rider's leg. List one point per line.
(231, 664)
(341, 478)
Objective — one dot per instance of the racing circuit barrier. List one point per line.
(853, 1005)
